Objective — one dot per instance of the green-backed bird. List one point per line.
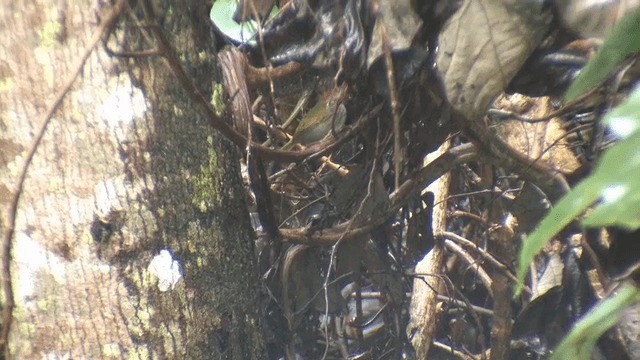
(321, 120)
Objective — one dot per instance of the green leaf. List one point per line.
(569, 207)
(615, 181)
(619, 171)
(581, 340)
(619, 168)
(624, 120)
(623, 40)
(615, 178)
(222, 16)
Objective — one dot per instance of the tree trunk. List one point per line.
(127, 168)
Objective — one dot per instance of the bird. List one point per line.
(321, 121)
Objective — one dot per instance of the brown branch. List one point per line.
(108, 22)
(417, 182)
(443, 163)
(501, 244)
(478, 218)
(258, 76)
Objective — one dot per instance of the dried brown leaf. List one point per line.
(401, 24)
(539, 141)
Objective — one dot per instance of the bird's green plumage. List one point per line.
(318, 123)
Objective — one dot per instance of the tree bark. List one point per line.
(127, 168)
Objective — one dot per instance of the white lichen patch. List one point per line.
(166, 269)
(31, 258)
(111, 350)
(122, 106)
(57, 355)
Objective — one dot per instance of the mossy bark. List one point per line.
(199, 188)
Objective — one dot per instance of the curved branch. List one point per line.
(429, 173)
(258, 76)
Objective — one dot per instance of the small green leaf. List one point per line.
(579, 343)
(222, 17)
(623, 40)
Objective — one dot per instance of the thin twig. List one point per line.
(470, 245)
(462, 304)
(395, 104)
(472, 216)
(334, 250)
(473, 264)
(450, 350)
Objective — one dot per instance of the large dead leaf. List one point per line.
(481, 47)
(543, 141)
(400, 23)
(593, 18)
